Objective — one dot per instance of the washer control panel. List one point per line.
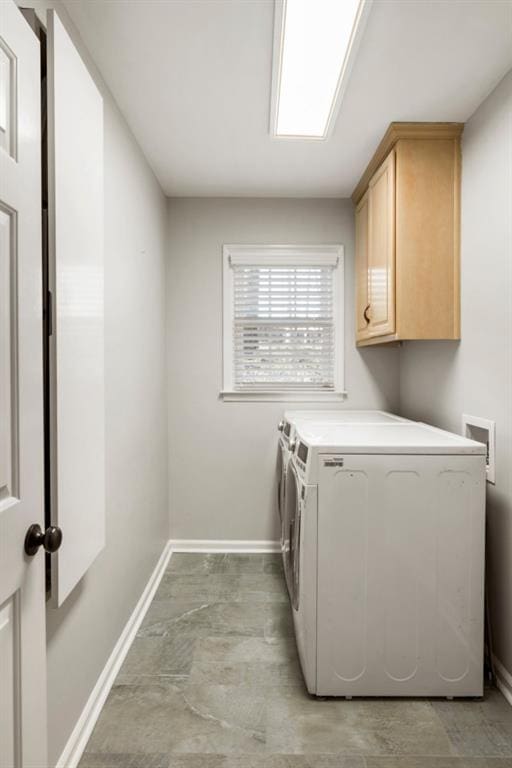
(301, 455)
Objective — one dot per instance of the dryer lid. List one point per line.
(408, 438)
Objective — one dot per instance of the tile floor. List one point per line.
(212, 681)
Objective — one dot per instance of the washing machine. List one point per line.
(387, 531)
(286, 428)
(285, 446)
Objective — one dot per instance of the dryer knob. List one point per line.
(292, 445)
(280, 426)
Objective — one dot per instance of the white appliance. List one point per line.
(287, 427)
(387, 539)
(340, 416)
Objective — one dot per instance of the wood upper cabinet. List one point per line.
(381, 253)
(362, 291)
(375, 255)
(407, 236)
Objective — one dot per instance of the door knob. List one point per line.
(50, 540)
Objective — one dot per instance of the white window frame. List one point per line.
(294, 254)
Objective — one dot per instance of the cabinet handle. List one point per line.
(365, 313)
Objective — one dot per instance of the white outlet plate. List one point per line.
(484, 431)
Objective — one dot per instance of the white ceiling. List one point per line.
(193, 78)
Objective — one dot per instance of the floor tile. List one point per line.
(206, 619)
(300, 761)
(197, 761)
(438, 762)
(253, 661)
(167, 656)
(224, 586)
(124, 760)
(235, 716)
(214, 587)
(246, 564)
(301, 724)
(162, 717)
(217, 618)
(172, 616)
(191, 563)
(274, 564)
(260, 595)
(262, 587)
(278, 621)
(237, 649)
(246, 673)
(478, 728)
(268, 761)
(205, 564)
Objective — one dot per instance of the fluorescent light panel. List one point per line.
(315, 42)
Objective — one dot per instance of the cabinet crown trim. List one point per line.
(394, 133)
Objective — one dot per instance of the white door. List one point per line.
(22, 583)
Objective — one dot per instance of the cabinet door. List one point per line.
(75, 136)
(381, 251)
(362, 298)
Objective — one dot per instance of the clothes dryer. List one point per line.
(287, 427)
(387, 531)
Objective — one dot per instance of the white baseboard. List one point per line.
(76, 743)
(224, 545)
(503, 680)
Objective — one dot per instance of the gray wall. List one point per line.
(82, 633)
(441, 381)
(222, 455)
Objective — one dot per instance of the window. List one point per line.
(283, 322)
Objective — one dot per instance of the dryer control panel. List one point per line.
(300, 458)
(302, 453)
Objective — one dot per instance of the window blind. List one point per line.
(283, 327)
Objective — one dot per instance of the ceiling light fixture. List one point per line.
(315, 42)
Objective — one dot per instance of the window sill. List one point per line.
(282, 397)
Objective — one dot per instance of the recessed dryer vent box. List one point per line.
(484, 431)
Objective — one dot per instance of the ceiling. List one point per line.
(193, 79)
